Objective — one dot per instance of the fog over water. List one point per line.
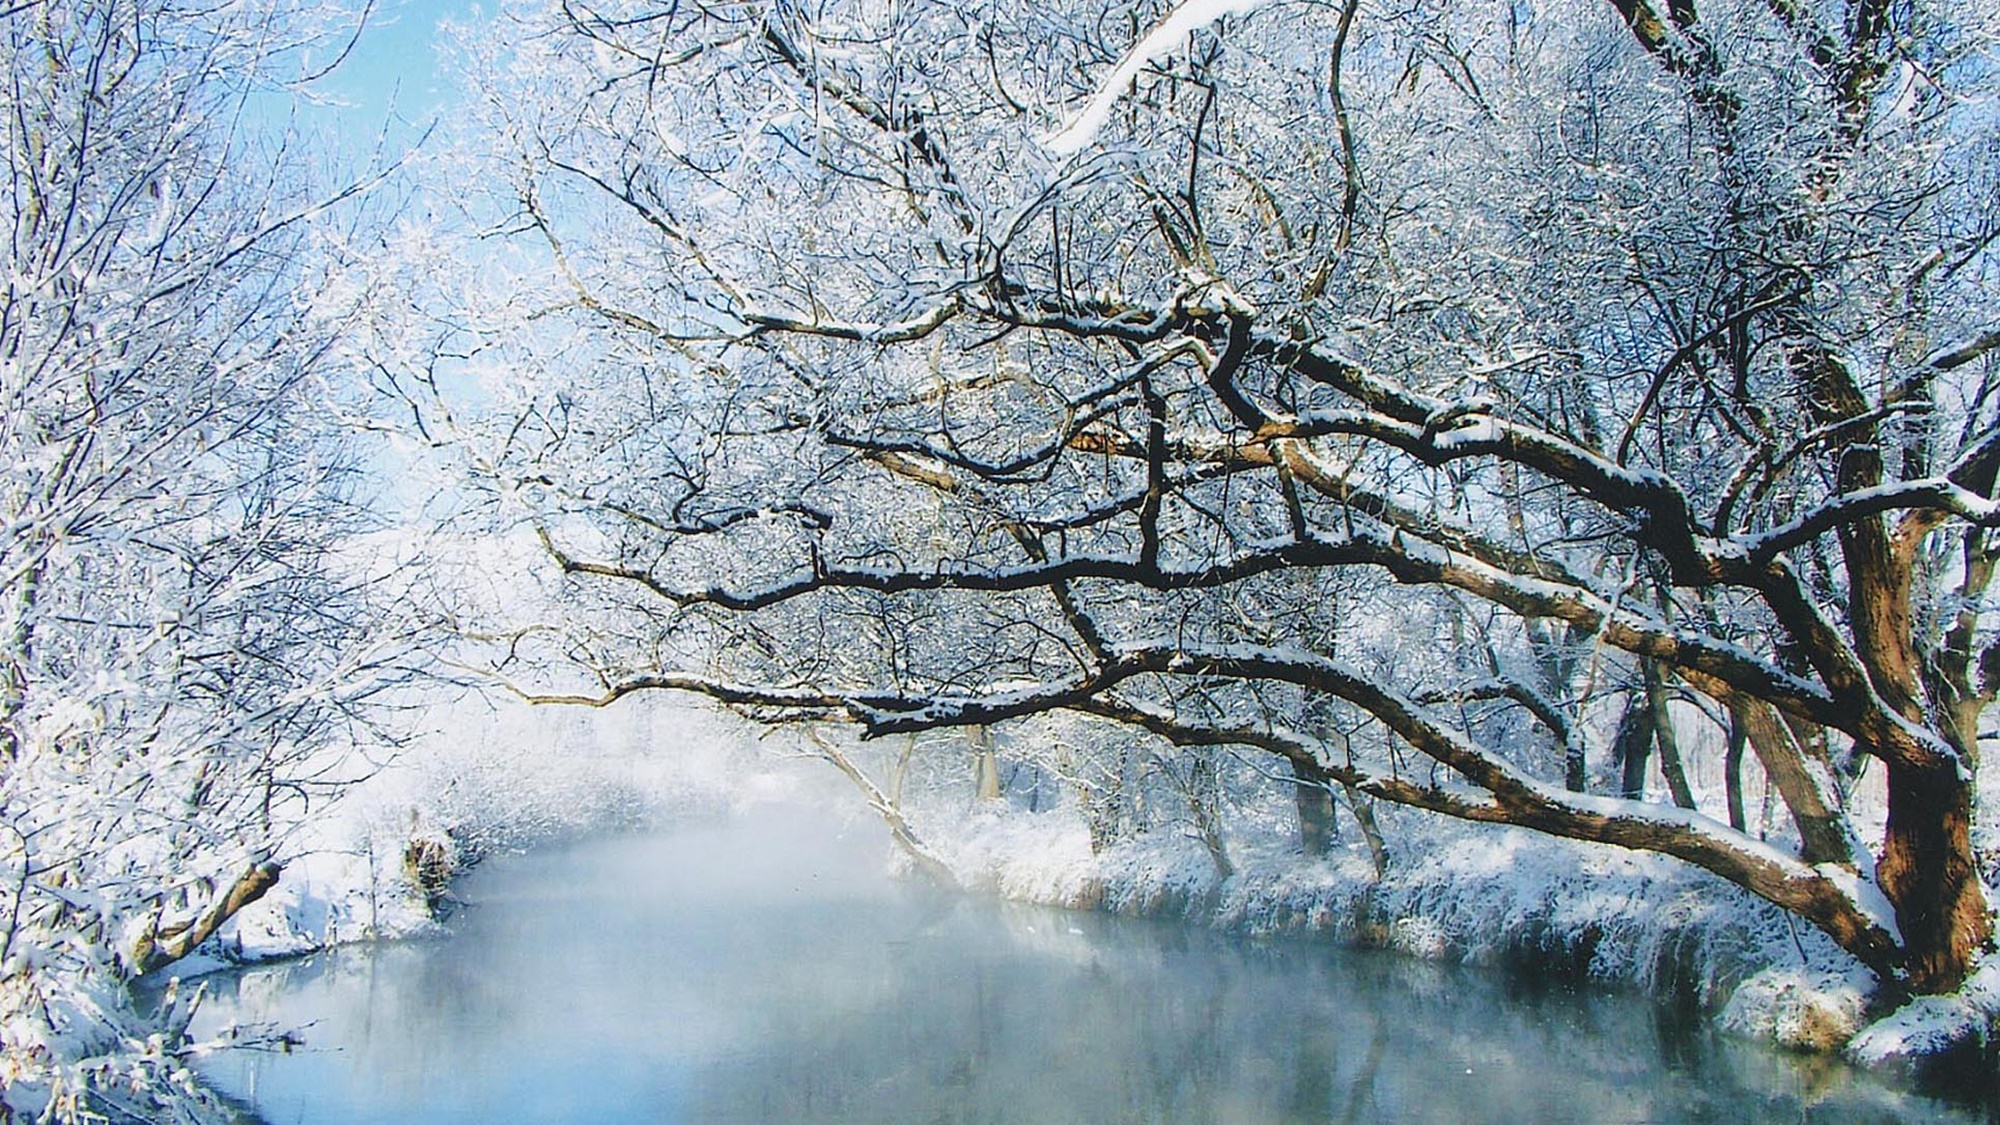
(763, 969)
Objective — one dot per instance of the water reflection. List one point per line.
(750, 972)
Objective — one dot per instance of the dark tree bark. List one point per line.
(1632, 746)
(1732, 773)
(1312, 792)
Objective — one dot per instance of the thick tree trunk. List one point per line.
(161, 945)
(1927, 870)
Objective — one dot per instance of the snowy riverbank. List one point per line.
(1502, 897)
(379, 866)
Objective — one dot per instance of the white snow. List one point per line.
(1928, 1025)
(1082, 129)
(1932, 1025)
(1812, 1011)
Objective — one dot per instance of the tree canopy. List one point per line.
(1468, 402)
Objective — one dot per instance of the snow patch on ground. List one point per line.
(1926, 1027)
(1030, 857)
(354, 893)
(1933, 1030)
(1801, 1010)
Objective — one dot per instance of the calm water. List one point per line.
(765, 971)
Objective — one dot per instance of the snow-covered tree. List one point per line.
(1462, 400)
(187, 641)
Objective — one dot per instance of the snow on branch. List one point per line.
(1937, 493)
(896, 332)
(1082, 129)
(722, 691)
(1964, 351)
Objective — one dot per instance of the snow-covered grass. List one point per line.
(1813, 1011)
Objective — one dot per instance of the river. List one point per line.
(764, 969)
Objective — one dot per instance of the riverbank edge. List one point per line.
(1513, 899)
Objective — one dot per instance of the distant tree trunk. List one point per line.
(1205, 801)
(1801, 780)
(900, 830)
(1963, 675)
(1364, 816)
(1632, 745)
(1313, 794)
(1664, 736)
(1576, 769)
(1732, 772)
(901, 772)
(1100, 791)
(1101, 817)
(985, 765)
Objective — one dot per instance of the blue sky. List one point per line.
(391, 79)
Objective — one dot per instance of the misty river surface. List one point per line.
(766, 970)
